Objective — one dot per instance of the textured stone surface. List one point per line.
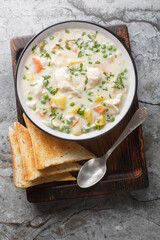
(133, 215)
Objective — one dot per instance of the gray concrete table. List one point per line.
(128, 216)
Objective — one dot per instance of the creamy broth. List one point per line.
(75, 81)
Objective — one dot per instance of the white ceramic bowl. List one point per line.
(76, 24)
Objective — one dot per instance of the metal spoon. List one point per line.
(94, 169)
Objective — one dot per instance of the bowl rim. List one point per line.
(98, 25)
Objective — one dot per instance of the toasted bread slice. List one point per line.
(56, 151)
(18, 169)
(31, 172)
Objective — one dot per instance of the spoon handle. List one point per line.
(137, 119)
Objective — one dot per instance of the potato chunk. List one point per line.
(99, 98)
(29, 76)
(60, 101)
(76, 130)
(88, 115)
(74, 109)
(100, 121)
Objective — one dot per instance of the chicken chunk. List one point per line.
(115, 101)
(94, 76)
(31, 104)
(38, 88)
(63, 79)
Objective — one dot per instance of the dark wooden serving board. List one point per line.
(126, 166)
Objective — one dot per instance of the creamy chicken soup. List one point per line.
(75, 81)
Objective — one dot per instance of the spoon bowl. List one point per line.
(92, 172)
(94, 169)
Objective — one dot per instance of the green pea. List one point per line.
(67, 130)
(29, 98)
(114, 49)
(72, 104)
(103, 46)
(61, 128)
(43, 101)
(110, 48)
(103, 51)
(45, 96)
(105, 55)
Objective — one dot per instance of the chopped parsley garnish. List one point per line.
(26, 67)
(105, 89)
(53, 51)
(47, 55)
(81, 65)
(80, 54)
(59, 46)
(95, 35)
(33, 84)
(90, 93)
(86, 81)
(103, 104)
(69, 121)
(119, 82)
(60, 40)
(89, 99)
(53, 112)
(90, 62)
(66, 46)
(33, 49)
(46, 82)
(97, 62)
(51, 37)
(44, 111)
(24, 77)
(110, 96)
(67, 31)
(84, 33)
(46, 77)
(60, 116)
(52, 91)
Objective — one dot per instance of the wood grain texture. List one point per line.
(126, 167)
